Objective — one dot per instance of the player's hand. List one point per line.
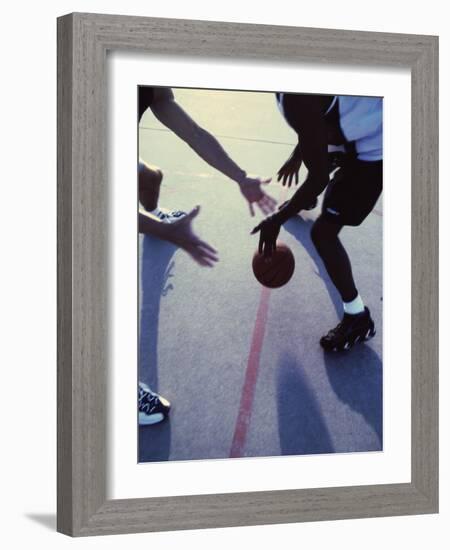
(269, 230)
(251, 188)
(290, 169)
(182, 234)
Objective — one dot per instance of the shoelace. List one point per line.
(174, 214)
(340, 329)
(147, 401)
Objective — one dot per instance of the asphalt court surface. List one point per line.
(242, 366)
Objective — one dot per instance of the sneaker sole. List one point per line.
(149, 421)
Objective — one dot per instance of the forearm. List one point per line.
(209, 149)
(302, 198)
(201, 141)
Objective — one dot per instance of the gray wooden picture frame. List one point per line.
(83, 42)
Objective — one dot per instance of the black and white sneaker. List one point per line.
(167, 216)
(351, 330)
(153, 408)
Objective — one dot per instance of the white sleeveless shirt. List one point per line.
(361, 121)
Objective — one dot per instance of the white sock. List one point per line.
(355, 306)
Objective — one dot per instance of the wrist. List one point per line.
(277, 218)
(284, 213)
(240, 177)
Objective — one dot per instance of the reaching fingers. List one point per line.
(200, 256)
(270, 201)
(252, 210)
(206, 253)
(265, 209)
(202, 261)
(267, 204)
(296, 178)
(206, 246)
(266, 181)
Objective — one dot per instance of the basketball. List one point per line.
(275, 271)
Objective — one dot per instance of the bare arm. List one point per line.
(169, 113)
(310, 125)
(311, 128)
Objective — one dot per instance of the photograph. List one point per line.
(260, 249)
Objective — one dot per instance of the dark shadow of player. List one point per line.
(301, 229)
(356, 377)
(155, 282)
(302, 428)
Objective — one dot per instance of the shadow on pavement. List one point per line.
(155, 283)
(154, 442)
(301, 230)
(156, 275)
(302, 429)
(357, 379)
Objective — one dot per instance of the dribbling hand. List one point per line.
(269, 230)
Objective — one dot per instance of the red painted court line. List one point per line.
(251, 375)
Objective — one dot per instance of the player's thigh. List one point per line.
(353, 192)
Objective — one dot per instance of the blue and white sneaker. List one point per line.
(153, 408)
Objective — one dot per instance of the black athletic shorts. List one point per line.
(353, 191)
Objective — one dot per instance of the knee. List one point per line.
(157, 175)
(150, 172)
(323, 234)
(317, 234)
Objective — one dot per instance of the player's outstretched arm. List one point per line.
(180, 233)
(169, 113)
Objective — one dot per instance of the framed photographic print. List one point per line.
(247, 274)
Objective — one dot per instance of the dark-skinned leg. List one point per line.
(150, 179)
(325, 237)
(353, 328)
